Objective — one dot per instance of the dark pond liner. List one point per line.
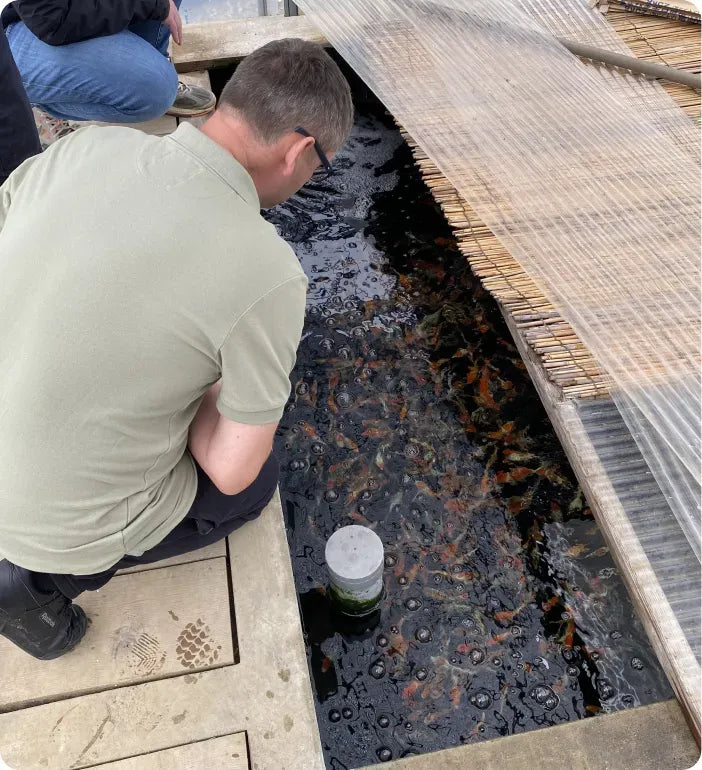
(412, 413)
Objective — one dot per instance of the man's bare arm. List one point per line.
(231, 453)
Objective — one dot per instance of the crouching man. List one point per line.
(149, 320)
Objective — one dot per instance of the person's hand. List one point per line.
(174, 23)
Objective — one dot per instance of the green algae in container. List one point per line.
(354, 557)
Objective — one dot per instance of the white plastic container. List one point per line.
(355, 561)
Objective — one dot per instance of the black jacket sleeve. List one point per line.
(58, 22)
(18, 134)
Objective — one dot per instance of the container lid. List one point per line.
(354, 556)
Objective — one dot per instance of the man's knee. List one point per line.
(150, 90)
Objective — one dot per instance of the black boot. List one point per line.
(44, 624)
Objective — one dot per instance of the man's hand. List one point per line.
(174, 23)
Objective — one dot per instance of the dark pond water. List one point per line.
(411, 413)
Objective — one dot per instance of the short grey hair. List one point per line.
(292, 83)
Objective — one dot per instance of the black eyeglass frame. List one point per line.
(326, 165)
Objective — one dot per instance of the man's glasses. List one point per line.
(326, 165)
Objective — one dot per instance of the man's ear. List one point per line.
(294, 153)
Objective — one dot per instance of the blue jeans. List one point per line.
(122, 78)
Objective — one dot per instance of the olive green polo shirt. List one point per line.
(135, 271)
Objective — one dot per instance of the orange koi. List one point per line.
(411, 689)
(484, 390)
(503, 430)
(569, 634)
(550, 604)
(599, 552)
(455, 505)
(506, 616)
(375, 432)
(424, 487)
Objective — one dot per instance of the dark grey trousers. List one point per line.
(212, 517)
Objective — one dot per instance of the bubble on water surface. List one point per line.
(545, 697)
(343, 400)
(481, 699)
(377, 670)
(476, 656)
(605, 690)
(384, 754)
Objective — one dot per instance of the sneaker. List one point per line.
(192, 101)
(51, 129)
(51, 628)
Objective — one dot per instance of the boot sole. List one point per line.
(183, 113)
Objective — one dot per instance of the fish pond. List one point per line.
(411, 413)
